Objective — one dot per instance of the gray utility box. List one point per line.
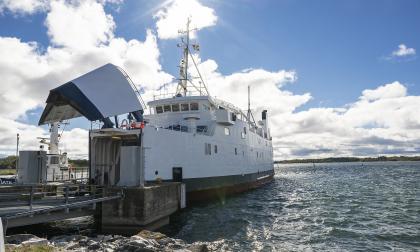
(32, 167)
(224, 117)
(130, 169)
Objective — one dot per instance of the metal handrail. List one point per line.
(70, 196)
(61, 207)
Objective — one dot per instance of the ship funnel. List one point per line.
(97, 95)
(264, 115)
(265, 124)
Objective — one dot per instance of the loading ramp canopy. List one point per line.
(104, 92)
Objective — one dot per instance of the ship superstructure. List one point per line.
(207, 143)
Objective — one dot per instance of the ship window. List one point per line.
(245, 130)
(54, 160)
(159, 109)
(227, 131)
(166, 108)
(215, 149)
(175, 107)
(243, 135)
(236, 151)
(207, 149)
(201, 129)
(185, 107)
(194, 106)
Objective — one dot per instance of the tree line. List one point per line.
(9, 162)
(349, 159)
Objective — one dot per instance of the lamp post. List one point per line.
(17, 150)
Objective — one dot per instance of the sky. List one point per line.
(339, 78)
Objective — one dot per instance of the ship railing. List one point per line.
(76, 174)
(228, 105)
(172, 95)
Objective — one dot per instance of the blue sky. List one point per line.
(337, 48)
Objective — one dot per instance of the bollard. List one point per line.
(2, 249)
(67, 198)
(31, 198)
(183, 198)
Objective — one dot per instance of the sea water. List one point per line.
(314, 207)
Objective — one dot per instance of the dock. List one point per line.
(116, 210)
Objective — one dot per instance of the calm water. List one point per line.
(326, 207)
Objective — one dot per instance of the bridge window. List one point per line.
(159, 109)
(194, 106)
(215, 148)
(201, 129)
(185, 107)
(175, 107)
(166, 108)
(227, 131)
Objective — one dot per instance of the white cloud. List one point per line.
(74, 145)
(391, 90)
(28, 72)
(79, 25)
(265, 88)
(382, 120)
(23, 6)
(173, 16)
(403, 51)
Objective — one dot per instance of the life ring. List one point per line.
(124, 124)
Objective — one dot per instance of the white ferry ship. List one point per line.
(210, 145)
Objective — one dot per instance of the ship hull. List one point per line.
(218, 188)
(221, 192)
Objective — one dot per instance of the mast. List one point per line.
(249, 104)
(184, 82)
(54, 138)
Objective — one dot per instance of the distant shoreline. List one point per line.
(348, 159)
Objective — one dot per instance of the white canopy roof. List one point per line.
(104, 92)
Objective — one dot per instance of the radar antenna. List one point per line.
(184, 82)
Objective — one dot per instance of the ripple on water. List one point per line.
(329, 207)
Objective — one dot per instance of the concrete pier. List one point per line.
(140, 208)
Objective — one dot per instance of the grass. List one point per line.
(32, 248)
(7, 171)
